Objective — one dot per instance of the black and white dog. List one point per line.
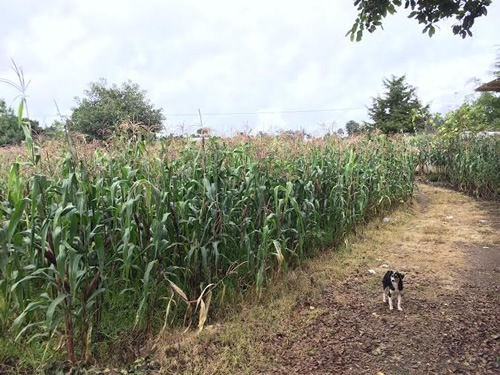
(393, 286)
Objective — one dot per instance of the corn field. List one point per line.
(157, 232)
(471, 164)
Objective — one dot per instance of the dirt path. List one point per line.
(449, 249)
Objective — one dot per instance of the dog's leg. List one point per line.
(399, 303)
(390, 302)
(383, 296)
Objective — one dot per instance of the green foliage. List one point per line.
(354, 128)
(428, 12)
(148, 235)
(103, 109)
(470, 163)
(466, 118)
(19, 358)
(399, 110)
(479, 114)
(489, 104)
(10, 131)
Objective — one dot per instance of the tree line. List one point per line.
(399, 110)
(97, 115)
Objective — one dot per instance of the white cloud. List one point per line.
(271, 120)
(226, 56)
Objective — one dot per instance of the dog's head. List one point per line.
(397, 280)
(396, 277)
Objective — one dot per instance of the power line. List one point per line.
(263, 112)
(196, 114)
(245, 113)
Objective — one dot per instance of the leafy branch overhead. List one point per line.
(428, 12)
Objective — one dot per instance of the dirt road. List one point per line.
(449, 249)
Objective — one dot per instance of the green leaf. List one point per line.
(145, 289)
(26, 278)
(15, 218)
(20, 111)
(432, 30)
(31, 307)
(52, 308)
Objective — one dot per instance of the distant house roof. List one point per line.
(490, 86)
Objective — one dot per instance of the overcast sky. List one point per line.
(273, 65)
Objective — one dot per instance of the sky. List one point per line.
(246, 66)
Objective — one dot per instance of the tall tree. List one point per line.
(482, 113)
(103, 108)
(477, 113)
(428, 12)
(489, 104)
(10, 131)
(399, 110)
(354, 128)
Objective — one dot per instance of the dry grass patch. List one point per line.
(236, 344)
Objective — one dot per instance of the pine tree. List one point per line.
(399, 110)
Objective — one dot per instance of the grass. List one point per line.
(20, 358)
